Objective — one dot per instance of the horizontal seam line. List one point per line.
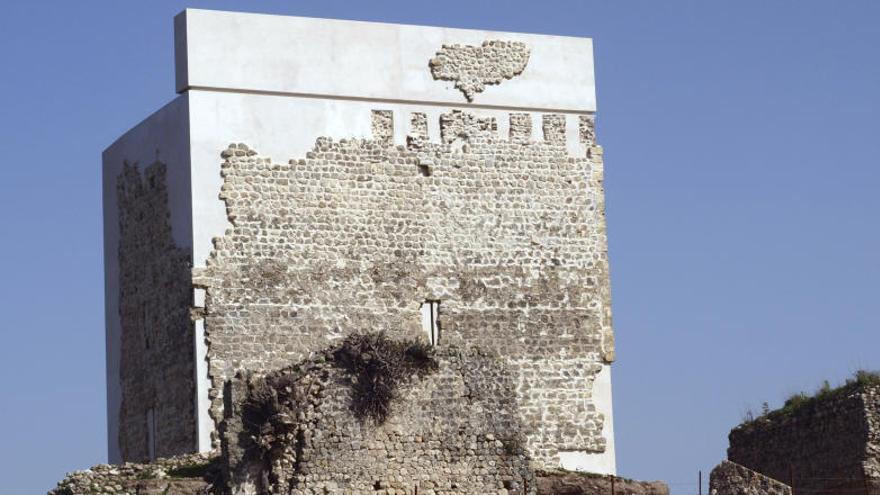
(383, 100)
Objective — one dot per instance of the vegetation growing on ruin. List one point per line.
(795, 402)
(378, 366)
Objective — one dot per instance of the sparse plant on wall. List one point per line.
(377, 367)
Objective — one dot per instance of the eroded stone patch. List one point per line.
(474, 67)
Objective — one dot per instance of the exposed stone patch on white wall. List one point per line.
(474, 67)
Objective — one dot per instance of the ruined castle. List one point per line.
(434, 184)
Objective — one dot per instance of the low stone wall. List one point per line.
(453, 430)
(730, 478)
(826, 445)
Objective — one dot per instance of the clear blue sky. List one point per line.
(743, 170)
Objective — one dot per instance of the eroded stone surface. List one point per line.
(474, 67)
(155, 296)
(508, 236)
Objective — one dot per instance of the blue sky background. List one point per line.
(742, 172)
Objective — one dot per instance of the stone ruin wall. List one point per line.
(454, 430)
(871, 398)
(507, 233)
(729, 478)
(827, 446)
(155, 296)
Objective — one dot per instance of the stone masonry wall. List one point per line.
(455, 430)
(828, 445)
(871, 398)
(508, 234)
(729, 478)
(156, 363)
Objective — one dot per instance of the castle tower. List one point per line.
(434, 183)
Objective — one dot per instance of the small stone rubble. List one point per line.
(474, 67)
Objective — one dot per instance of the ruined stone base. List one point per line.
(191, 474)
(576, 483)
(453, 431)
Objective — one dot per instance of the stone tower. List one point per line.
(432, 183)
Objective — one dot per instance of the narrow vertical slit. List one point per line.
(430, 313)
(435, 324)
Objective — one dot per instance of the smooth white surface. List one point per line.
(604, 463)
(204, 426)
(367, 60)
(163, 135)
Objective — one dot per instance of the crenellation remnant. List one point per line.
(554, 128)
(520, 128)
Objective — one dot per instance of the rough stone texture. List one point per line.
(554, 128)
(520, 128)
(418, 135)
(156, 365)
(160, 477)
(829, 445)
(572, 483)
(729, 478)
(474, 67)
(383, 126)
(455, 430)
(510, 237)
(587, 129)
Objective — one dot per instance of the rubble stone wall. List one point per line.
(155, 297)
(826, 446)
(730, 478)
(454, 430)
(508, 234)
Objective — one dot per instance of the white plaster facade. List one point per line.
(277, 83)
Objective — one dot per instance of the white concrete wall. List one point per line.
(368, 60)
(163, 135)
